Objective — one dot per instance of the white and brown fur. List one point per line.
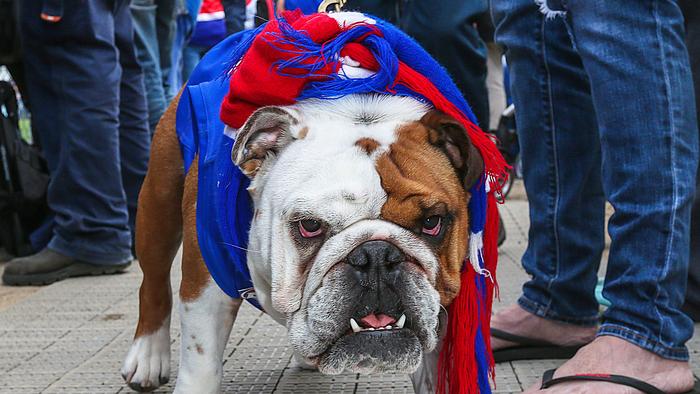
(371, 167)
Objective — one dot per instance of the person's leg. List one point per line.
(447, 32)
(642, 89)
(190, 58)
(74, 87)
(148, 54)
(165, 33)
(561, 169)
(184, 25)
(235, 15)
(176, 57)
(691, 12)
(134, 136)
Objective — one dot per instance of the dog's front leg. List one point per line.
(206, 312)
(206, 324)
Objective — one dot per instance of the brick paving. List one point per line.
(71, 337)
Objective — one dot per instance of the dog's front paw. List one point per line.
(147, 365)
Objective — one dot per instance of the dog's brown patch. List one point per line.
(251, 167)
(368, 145)
(195, 275)
(417, 177)
(303, 132)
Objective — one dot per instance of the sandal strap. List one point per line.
(548, 380)
(524, 341)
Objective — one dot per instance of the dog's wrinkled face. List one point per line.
(360, 225)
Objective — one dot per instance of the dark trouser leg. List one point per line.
(165, 32)
(447, 33)
(134, 136)
(148, 53)
(185, 20)
(74, 87)
(235, 15)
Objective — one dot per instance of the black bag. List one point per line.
(24, 179)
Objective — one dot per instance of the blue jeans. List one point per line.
(691, 12)
(191, 55)
(605, 110)
(89, 112)
(185, 20)
(154, 28)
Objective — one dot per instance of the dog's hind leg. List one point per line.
(158, 237)
(206, 312)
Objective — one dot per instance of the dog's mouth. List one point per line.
(373, 343)
(379, 323)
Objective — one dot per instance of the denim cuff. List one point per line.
(671, 353)
(59, 245)
(546, 312)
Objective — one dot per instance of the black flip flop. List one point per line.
(530, 349)
(548, 380)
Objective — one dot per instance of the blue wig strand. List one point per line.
(477, 221)
(338, 85)
(477, 206)
(482, 363)
(310, 57)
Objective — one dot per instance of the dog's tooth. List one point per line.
(401, 322)
(388, 327)
(370, 329)
(354, 325)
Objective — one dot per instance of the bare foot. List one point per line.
(612, 355)
(516, 320)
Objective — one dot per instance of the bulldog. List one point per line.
(358, 237)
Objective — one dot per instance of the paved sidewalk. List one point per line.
(71, 337)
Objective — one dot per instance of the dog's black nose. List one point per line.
(375, 255)
(376, 267)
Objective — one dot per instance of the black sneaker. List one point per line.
(49, 266)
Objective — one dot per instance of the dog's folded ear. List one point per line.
(447, 134)
(264, 134)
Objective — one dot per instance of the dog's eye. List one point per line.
(309, 228)
(432, 225)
